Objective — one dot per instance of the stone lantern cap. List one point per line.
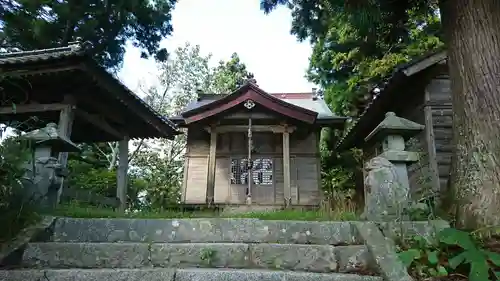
(394, 125)
(50, 137)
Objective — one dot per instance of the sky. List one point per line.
(221, 27)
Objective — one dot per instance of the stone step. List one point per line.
(88, 275)
(313, 258)
(204, 230)
(174, 275)
(241, 209)
(260, 275)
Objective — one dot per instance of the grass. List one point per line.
(77, 211)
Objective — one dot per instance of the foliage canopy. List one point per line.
(106, 25)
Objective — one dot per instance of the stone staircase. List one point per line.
(195, 250)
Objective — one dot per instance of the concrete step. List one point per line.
(174, 275)
(313, 258)
(204, 230)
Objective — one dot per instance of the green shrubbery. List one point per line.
(16, 209)
(454, 252)
(103, 181)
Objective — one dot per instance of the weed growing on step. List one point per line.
(208, 255)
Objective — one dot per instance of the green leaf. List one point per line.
(451, 236)
(442, 271)
(432, 257)
(493, 257)
(479, 271)
(497, 274)
(408, 256)
(420, 240)
(457, 260)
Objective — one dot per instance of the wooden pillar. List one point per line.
(185, 179)
(248, 198)
(65, 126)
(211, 166)
(287, 188)
(121, 174)
(431, 150)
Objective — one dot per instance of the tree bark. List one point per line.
(472, 33)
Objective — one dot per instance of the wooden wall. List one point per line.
(442, 115)
(195, 176)
(305, 167)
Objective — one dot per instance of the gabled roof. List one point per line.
(73, 61)
(252, 92)
(375, 110)
(302, 102)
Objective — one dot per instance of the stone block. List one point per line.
(88, 275)
(181, 255)
(204, 231)
(386, 190)
(298, 276)
(290, 232)
(353, 258)
(313, 258)
(426, 229)
(86, 255)
(383, 252)
(267, 275)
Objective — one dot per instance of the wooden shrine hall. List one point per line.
(252, 147)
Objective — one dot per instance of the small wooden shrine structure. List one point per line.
(66, 86)
(419, 91)
(252, 147)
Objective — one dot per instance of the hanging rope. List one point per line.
(249, 162)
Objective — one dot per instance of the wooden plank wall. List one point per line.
(442, 115)
(304, 152)
(197, 160)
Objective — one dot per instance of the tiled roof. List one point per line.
(74, 49)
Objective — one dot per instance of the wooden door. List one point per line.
(263, 180)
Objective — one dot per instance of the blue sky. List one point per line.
(221, 27)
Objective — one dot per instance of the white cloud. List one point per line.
(222, 27)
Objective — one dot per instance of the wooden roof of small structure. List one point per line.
(29, 79)
(388, 97)
(305, 108)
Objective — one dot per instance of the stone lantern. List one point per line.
(387, 188)
(45, 173)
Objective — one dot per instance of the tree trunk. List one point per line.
(472, 32)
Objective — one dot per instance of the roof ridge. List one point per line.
(75, 46)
